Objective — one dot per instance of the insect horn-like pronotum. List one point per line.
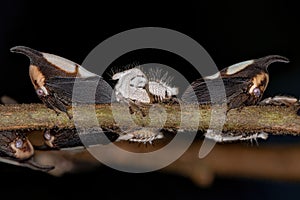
(53, 78)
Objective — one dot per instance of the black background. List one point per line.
(230, 32)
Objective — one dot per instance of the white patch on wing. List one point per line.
(238, 67)
(214, 76)
(67, 65)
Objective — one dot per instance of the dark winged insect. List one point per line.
(53, 78)
(16, 149)
(244, 83)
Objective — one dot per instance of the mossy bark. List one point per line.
(270, 119)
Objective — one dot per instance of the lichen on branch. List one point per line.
(270, 119)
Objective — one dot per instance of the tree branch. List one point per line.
(271, 119)
(240, 161)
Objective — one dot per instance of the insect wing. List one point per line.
(64, 87)
(235, 88)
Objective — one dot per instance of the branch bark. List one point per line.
(224, 160)
(271, 119)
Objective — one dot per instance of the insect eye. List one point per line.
(256, 92)
(47, 135)
(40, 92)
(19, 143)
